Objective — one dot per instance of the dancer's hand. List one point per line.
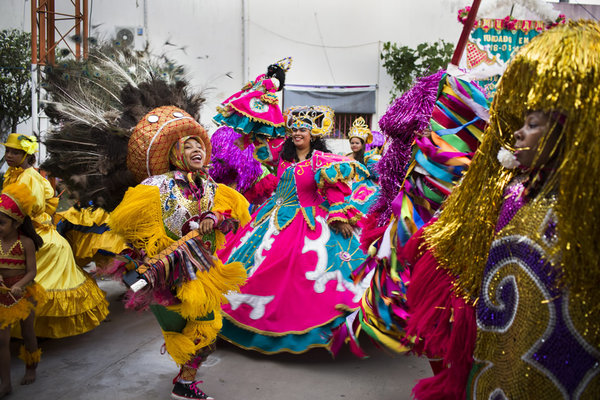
(206, 226)
(16, 290)
(343, 228)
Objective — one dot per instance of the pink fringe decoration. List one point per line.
(370, 232)
(443, 324)
(261, 190)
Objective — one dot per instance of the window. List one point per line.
(348, 103)
(343, 123)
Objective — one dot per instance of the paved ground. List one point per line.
(121, 360)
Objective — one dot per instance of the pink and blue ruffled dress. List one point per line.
(299, 283)
(255, 109)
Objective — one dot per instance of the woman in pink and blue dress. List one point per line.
(255, 109)
(300, 247)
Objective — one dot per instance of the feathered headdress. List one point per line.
(96, 105)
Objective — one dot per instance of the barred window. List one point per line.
(343, 123)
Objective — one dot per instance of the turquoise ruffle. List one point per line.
(246, 126)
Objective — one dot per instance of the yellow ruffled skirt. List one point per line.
(13, 309)
(74, 302)
(87, 232)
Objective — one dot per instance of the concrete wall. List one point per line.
(333, 42)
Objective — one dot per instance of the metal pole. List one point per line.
(245, 43)
(86, 32)
(51, 54)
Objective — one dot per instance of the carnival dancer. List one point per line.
(364, 191)
(515, 304)
(255, 109)
(19, 293)
(175, 215)
(300, 247)
(183, 216)
(75, 304)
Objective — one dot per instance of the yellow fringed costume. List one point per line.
(186, 281)
(141, 157)
(75, 304)
(151, 217)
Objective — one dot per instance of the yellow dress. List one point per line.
(75, 302)
(87, 232)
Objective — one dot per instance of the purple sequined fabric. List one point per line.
(513, 201)
(527, 322)
(409, 113)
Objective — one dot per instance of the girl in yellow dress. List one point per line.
(75, 302)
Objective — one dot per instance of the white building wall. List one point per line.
(333, 42)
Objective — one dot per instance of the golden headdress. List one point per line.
(361, 130)
(557, 72)
(285, 63)
(317, 119)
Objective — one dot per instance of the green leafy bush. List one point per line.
(15, 80)
(404, 64)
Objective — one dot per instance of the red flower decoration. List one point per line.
(509, 23)
(463, 13)
(562, 18)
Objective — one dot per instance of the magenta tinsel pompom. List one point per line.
(229, 164)
(409, 113)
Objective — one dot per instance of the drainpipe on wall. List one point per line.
(245, 42)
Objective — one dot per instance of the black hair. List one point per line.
(288, 153)
(31, 159)
(26, 229)
(276, 71)
(360, 157)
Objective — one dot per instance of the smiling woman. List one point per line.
(300, 246)
(175, 219)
